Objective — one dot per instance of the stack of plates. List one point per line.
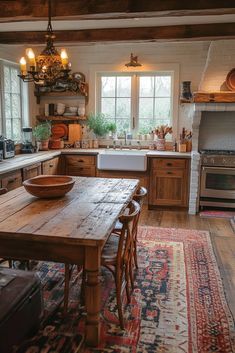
(69, 114)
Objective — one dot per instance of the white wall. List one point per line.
(205, 64)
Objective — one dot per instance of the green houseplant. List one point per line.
(42, 132)
(98, 124)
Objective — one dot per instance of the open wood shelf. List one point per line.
(68, 94)
(60, 118)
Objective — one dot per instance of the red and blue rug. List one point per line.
(178, 305)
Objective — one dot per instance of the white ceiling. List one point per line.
(115, 23)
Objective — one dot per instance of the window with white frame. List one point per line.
(136, 102)
(11, 101)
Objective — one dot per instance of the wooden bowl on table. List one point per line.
(49, 186)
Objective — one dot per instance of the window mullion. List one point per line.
(134, 103)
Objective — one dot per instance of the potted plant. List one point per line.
(112, 128)
(98, 124)
(42, 132)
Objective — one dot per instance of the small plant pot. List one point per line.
(44, 145)
(161, 144)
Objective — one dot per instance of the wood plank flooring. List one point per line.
(222, 236)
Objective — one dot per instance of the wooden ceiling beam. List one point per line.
(28, 10)
(164, 33)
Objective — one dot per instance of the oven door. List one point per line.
(218, 182)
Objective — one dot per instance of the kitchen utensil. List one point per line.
(59, 131)
(75, 133)
(73, 110)
(49, 186)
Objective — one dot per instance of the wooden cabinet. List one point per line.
(32, 171)
(51, 167)
(80, 165)
(169, 182)
(11, 180)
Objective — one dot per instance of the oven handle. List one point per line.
(218, 168)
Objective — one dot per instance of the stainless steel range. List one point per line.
(217, 178)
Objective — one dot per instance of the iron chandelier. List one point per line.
(48, 67)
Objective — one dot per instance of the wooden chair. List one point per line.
(138, 197)
(117, 253)
(116, 257)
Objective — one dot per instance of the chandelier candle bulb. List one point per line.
(64, 58)
(31, 56)
(23, 66)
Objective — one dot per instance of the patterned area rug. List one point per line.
(178, 305)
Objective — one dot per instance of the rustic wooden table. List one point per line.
(72, 229)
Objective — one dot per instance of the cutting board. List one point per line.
(75, 132)
(59, 131)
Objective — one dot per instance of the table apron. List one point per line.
(27, 249)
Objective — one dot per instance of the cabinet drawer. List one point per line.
(163, 163)
(170, 173)
(80, 160)
(12, 181)
(85, 170)
(32, 171)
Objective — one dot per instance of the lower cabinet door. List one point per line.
(12, 180)
(51, 167)
(168, 188)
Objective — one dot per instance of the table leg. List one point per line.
(92, 295)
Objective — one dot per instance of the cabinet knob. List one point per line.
(81, 161)
(51, 165)
(169, 173)
(169, 164)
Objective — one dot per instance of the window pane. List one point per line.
(108, 86)
(123, 125)
(123, 86)
(146, 108)
(146, 86)
(146, 126)
(7, 105)
(8, 128)
(123, 108)
(16, 133)
(7, 86)
(16, 113)
(163, 86)
(108, 107)
(163, 109)
(15, 81)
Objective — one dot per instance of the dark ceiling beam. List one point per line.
(164, 33)
(27, 10)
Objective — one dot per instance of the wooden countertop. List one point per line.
(25, 160)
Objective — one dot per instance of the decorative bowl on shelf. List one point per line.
(73, 110)
(49, 186)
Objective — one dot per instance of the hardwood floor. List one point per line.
(222, 236)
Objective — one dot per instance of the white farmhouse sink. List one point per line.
(122, 160)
